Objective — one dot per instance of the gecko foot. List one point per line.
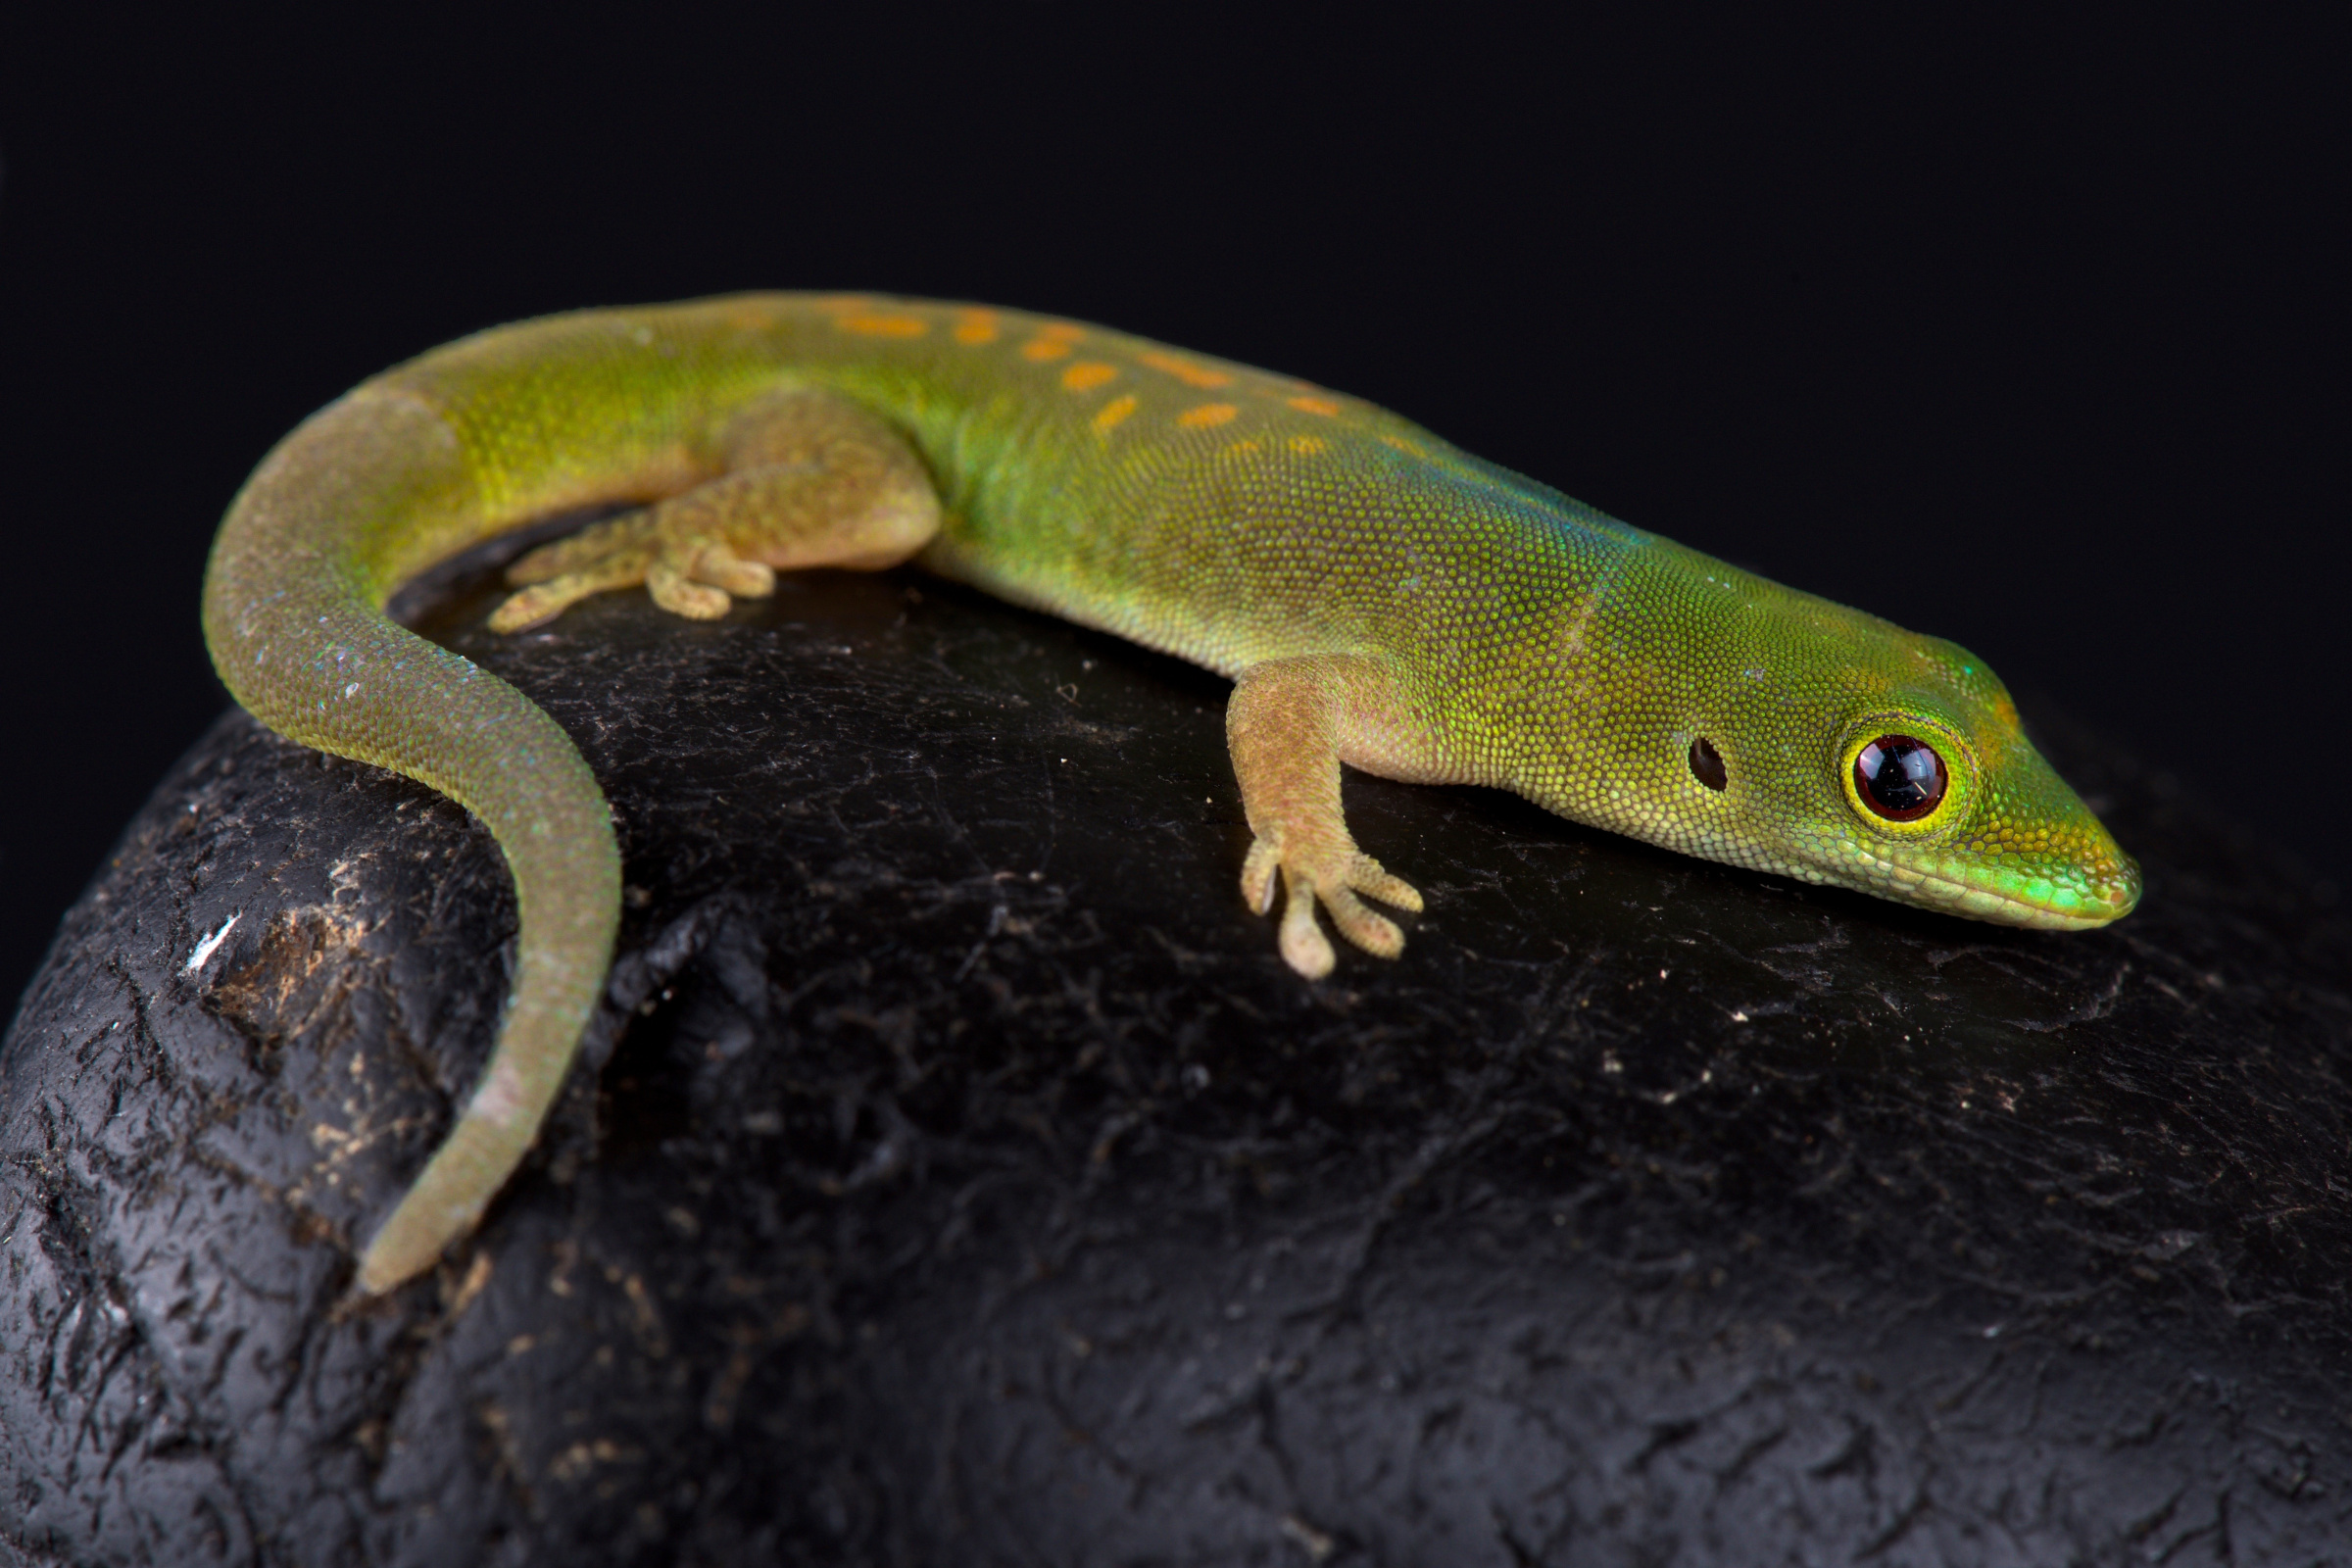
(1335, 878)
(691, 575)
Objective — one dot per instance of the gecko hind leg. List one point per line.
(1290, 725)
(805, 480)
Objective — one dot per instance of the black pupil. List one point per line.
(1901, 778)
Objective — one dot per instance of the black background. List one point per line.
(2028, 334)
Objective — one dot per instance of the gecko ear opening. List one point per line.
(1706, 764)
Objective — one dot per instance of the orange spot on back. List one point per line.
(1306, 443)
(1113, 412)
(1410, 448)
(883, 325)
(976, 327)
(1206, 415)
(1052, 341)
(1185, 370)
(1313, 405)
(1243, 445)
(1087, 374)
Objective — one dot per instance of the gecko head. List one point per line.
(1894, 763)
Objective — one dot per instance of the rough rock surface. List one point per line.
(970, 1184)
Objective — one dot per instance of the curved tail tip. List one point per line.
(385, 1268)
(412, 1240)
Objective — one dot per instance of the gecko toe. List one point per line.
(609, 556)
(1257, 875)
(1366, 876)
(673, 592)
(596, 551)
(543, 602)
(1373, 932)
(533, 607)
(1305, 947)
(723, 569)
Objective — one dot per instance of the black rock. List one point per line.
(971, 1184)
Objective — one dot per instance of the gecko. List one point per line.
(1379, 598)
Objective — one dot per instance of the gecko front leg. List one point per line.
(1290, 725)
(807, 479)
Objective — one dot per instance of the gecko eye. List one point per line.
(1706, 764)
(1899, 778)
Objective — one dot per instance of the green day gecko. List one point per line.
(1378, 596)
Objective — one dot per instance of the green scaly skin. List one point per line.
(1449, 619)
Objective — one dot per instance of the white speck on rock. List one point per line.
(211, 945)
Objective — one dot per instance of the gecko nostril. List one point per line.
(1706, 764)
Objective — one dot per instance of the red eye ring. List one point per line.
(1900, 778)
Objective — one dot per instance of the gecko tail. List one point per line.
(293, 615)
